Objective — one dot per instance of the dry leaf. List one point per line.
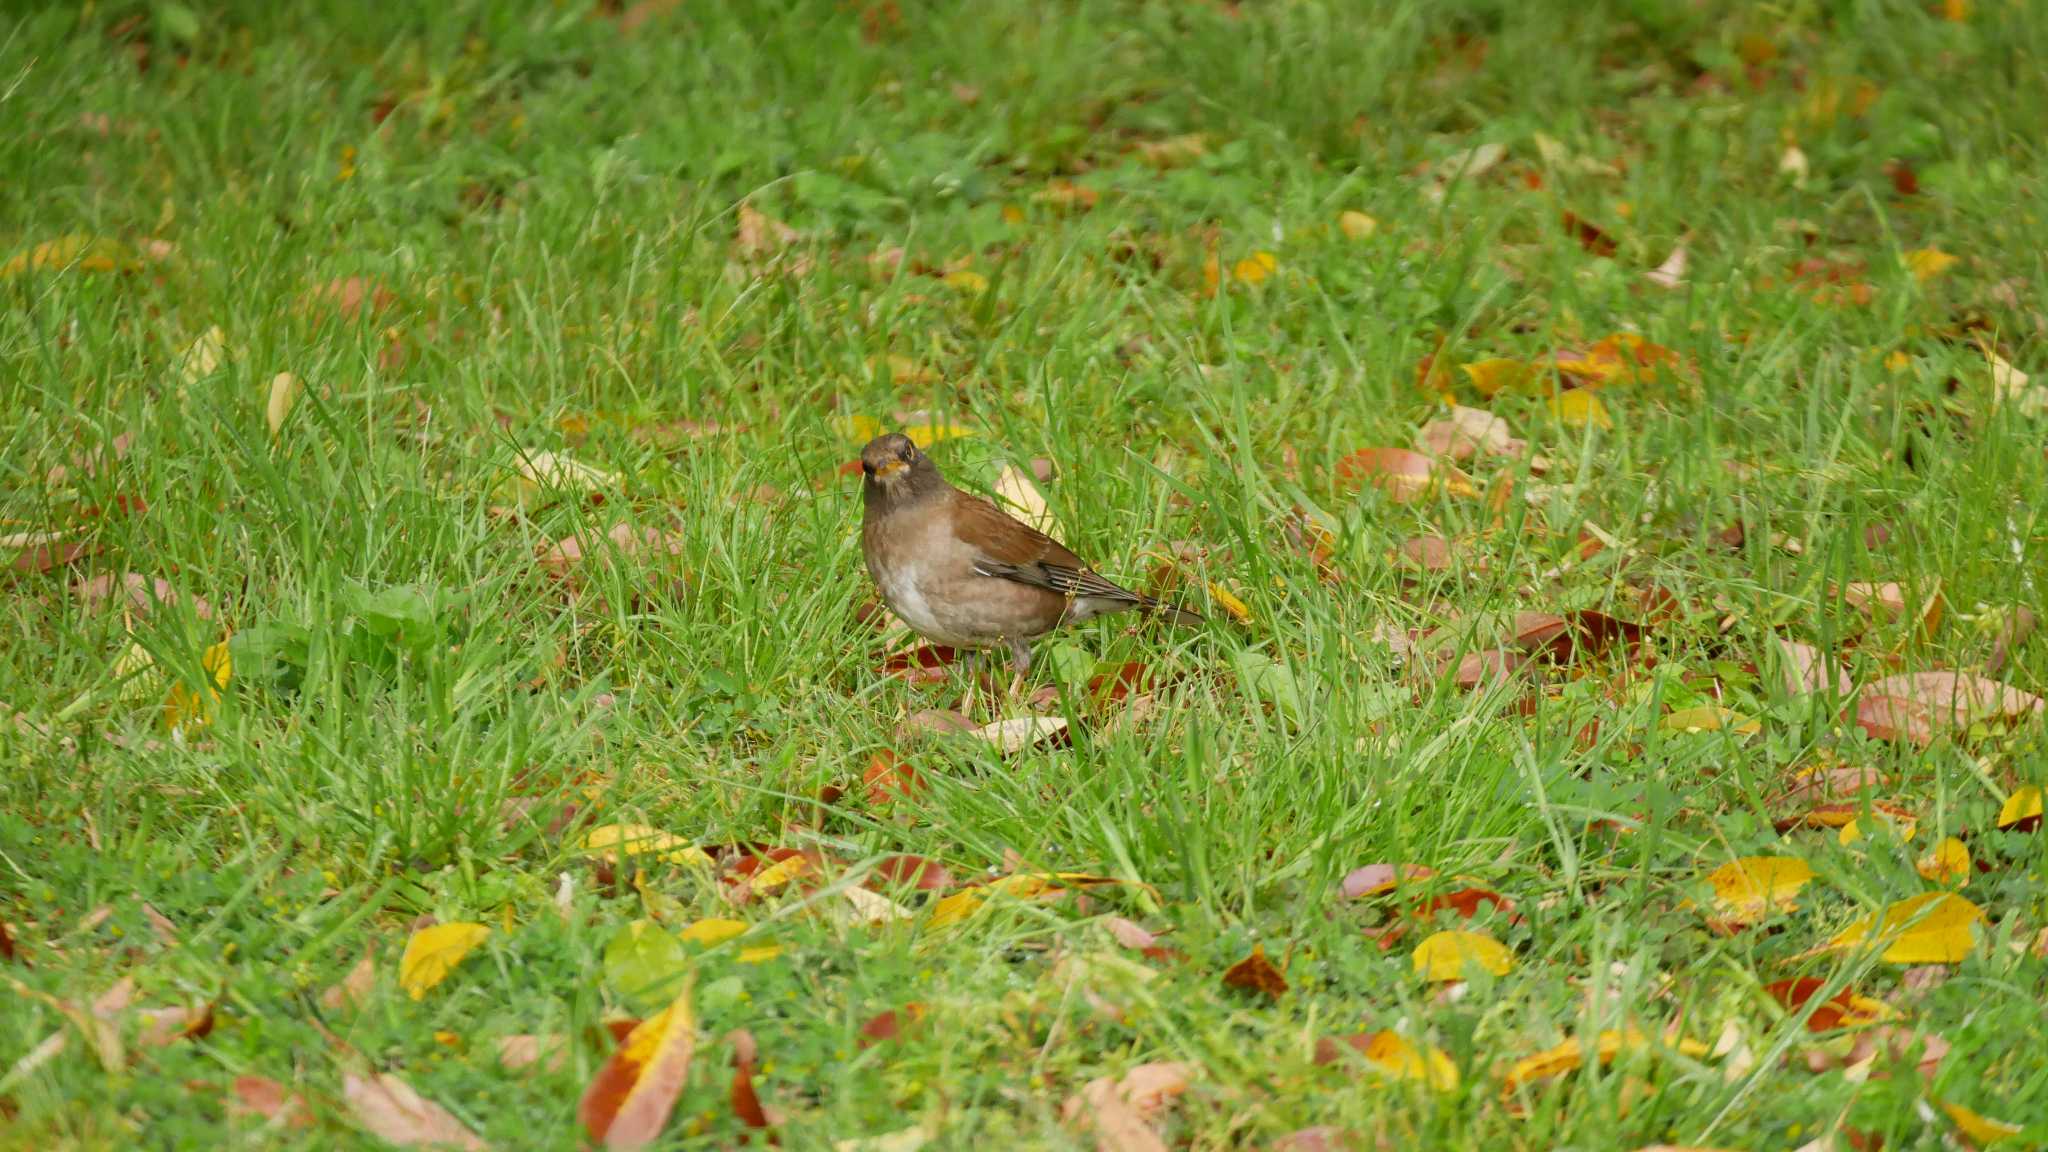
(1465, 431)
(1671, 273)
(1404, 475)
(431, 953)
(2021, 811)
(1119, 1127)
(629, 840)
(629, 1101)
(1570, 1055)
(1256, 974)
(1014, 735)
(1374, 879)
(1020, 496)
(1927, 263)
(1579, 408)
(1356, 225)
(390, 1109)
(1845, 1009)
(1918, 706)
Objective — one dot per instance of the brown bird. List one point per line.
(961, 572)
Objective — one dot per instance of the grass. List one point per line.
(423, 719)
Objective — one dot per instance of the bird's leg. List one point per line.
(1020, 663)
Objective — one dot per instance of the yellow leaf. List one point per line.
(204, 356)
(1927, 263)
(1357, 225)
(967, 281)
(1711, 718)
(1446, 955)
(1947, 865)
(1404, 1059)
(191, 710)
(778, 874)
(1023, 886)
(1016, 491)
(1931, 928)
(613, 840)
(1012, 214)
(1231, 605)
(1497, 375)
(1903, 828)
(1897, 362)
(1552, 1062)
(759, 953)
(955, 908)
(76, 251)
(2023, 804)
(432, 953)
(1955, 11)
(1752, 887)
(284, 389)
(712, 931)
(1254, 268)
(1576, 408)
(1980, 1129)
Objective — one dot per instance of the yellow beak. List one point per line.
(890, 469)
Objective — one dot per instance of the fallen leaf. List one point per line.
(1900, 827)
(1931, 928)
(1927, 263)
(1946, 864)
(389, 1108)
(890, 777)
(1711, 718)
(613, 841)
(1845, 1009)
(1356, 225)
(1023, 886)
(1016, 490)
(1492, 377)
(203, 357)
(1671, 273)
(1254, 269)
(1118, 1126)
(524, 1051)
(1256, 974)
(284, 390)
(1374, 879)
(1018, 733)
(759, 234)
(1622, 358)
(746, 1103)
(628, 1103)
(431, 953)
(1590, 236)
(355, 988)
(1578, 408)
(1978, 1128)
(714, 931)
(1890, 601)
(262, 1096)
(1570, 1055)
(188, 711)
(1445, 956)
(1465, 431)
(1805, 670)
(2021, 811)
(918, 872)
(138, 592)
(644, 963)
(1750, 888)
(1395, 1055)
(77, 252)
(1918, 706)
(1404, 475)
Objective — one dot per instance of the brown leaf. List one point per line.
(1374, 879)
(1890, 601)
(264, 1097)
(350, 297)
(1322, 1138)
(1426, 553)
(1404, 475)
(934, 720)
(140, 593)
(746, 1104)
(39, 558)
(762, 235)
(890, 1024)
(1589, 235)
(1918, 706)
(1806, 670)
(391, 1110)
(1256, 974)
(1466, 431)
(526, 1050)
(2013, 632)
(1119, 1127)
(355, 988)
(1487, 667)
(925, 664)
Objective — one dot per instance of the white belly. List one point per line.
(907, 601)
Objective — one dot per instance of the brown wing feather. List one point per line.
(1013, 550)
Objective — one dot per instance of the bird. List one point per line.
(965, 574)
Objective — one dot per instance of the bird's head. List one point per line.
(889, 459)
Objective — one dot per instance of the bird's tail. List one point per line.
(1179, 617)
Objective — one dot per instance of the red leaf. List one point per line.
(745, 1103)
(916, 871)
(628, 1103)
(1589, 235)
(889, 778)
(925, 664)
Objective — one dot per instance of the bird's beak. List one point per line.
(890, 468)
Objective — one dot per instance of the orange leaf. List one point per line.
(628, 1103)
(1844, 1009)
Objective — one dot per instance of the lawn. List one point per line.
(443, 700)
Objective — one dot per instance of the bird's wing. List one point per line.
(1009, 549)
